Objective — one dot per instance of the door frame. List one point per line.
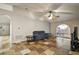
(10, 40)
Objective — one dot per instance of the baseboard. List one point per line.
(18, 41)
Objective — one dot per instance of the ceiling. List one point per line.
(54, 6)
(72, 8)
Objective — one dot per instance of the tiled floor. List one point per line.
(43, 47)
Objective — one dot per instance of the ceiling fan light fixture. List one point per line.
(50, 17)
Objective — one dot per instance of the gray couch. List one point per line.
(40, 35)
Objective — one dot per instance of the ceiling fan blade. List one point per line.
(39, 13)
(72, 13)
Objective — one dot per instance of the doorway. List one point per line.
(63, 36)
(5, 32)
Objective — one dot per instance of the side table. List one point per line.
(29, 38)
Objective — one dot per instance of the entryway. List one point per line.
(5, 32)
(63, 36)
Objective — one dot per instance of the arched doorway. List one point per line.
(5, 32)
(63, 36)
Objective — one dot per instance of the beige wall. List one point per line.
(24, 23)
(71, 24)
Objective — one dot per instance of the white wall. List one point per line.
(24, 23)
(71, 24)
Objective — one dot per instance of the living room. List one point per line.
(27, 18)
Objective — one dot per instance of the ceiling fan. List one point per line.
(50, 15)
(53, 15)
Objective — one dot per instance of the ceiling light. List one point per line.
(50, 16)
